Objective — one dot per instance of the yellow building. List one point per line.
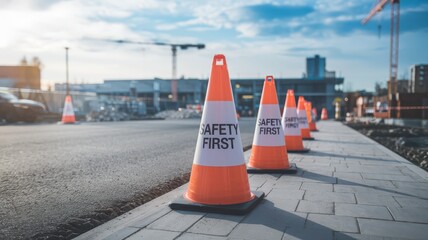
(26, 76)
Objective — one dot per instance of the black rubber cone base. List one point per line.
(291, 170)
(316, 130)
(304, 150)
(75, 123)
(183, 203)
(309, 139)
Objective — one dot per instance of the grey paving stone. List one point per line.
(386, 177)
(417, 185)
(410, 214)
(318, 172)
(340, 164)
(267, 186)
(332, 222)
(307, 160)
(176, 221)
(412, 202)
(380, 162)
(347, 175)
(380, 183)
(354, 236)
(329, 197)
(360, 210)
(340, 188)
(289, 205)
(411, 192)
(376, 199)
(354, 181)
(256, 180)
(406, 171)
(122, 233)
(325, 187)
(393, 229)
(307, 233)
(216, 224)
(316, 177)
(278, 193)
(287, 185)
(256, 232)
(153, 234)
(192, 236)
(323, 165)
(315, 207)
(150, 217)
(267, 222)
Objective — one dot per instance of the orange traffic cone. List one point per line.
(303, 119)
(219, 181)
(290, 125)
(314, 113)
(324, 115)
(311, 117)
(268, 154)
(68, 112)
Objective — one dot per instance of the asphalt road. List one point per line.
(51, 173)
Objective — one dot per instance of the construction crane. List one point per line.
(394, 36)
(174, 48)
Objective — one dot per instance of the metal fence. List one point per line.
(54, 100)
(86, 104)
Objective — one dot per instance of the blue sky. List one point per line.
(258, 37)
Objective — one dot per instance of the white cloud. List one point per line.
(42, 28)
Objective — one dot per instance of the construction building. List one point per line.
(26, 75)
(418, 78)
(318, 87)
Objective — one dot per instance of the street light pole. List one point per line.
(66, 70)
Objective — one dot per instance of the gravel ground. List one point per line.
(411, 143)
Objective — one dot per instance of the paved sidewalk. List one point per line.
(347, 187)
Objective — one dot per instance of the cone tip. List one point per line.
(269, 78)
(219, 60)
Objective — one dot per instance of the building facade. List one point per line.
(319, 86)
(20, 76)
(418, 78)
(156, 93)
(316, 67)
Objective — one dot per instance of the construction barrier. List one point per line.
(268, 153)
(324, 115)
(312, 117)
(290, 125)
(219, 181)
(68, 112)
(303, 119)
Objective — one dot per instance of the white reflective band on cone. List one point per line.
(269, 113)
(290, 122)
(68, 109)
(219, 140)
(303, 119)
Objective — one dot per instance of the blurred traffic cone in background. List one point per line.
(268, 153)
(312, 124)
(303, 119)
(219, 181)
(68, 112)
(324, 115)
(290, 125)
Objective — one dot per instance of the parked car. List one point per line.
(13, 109)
